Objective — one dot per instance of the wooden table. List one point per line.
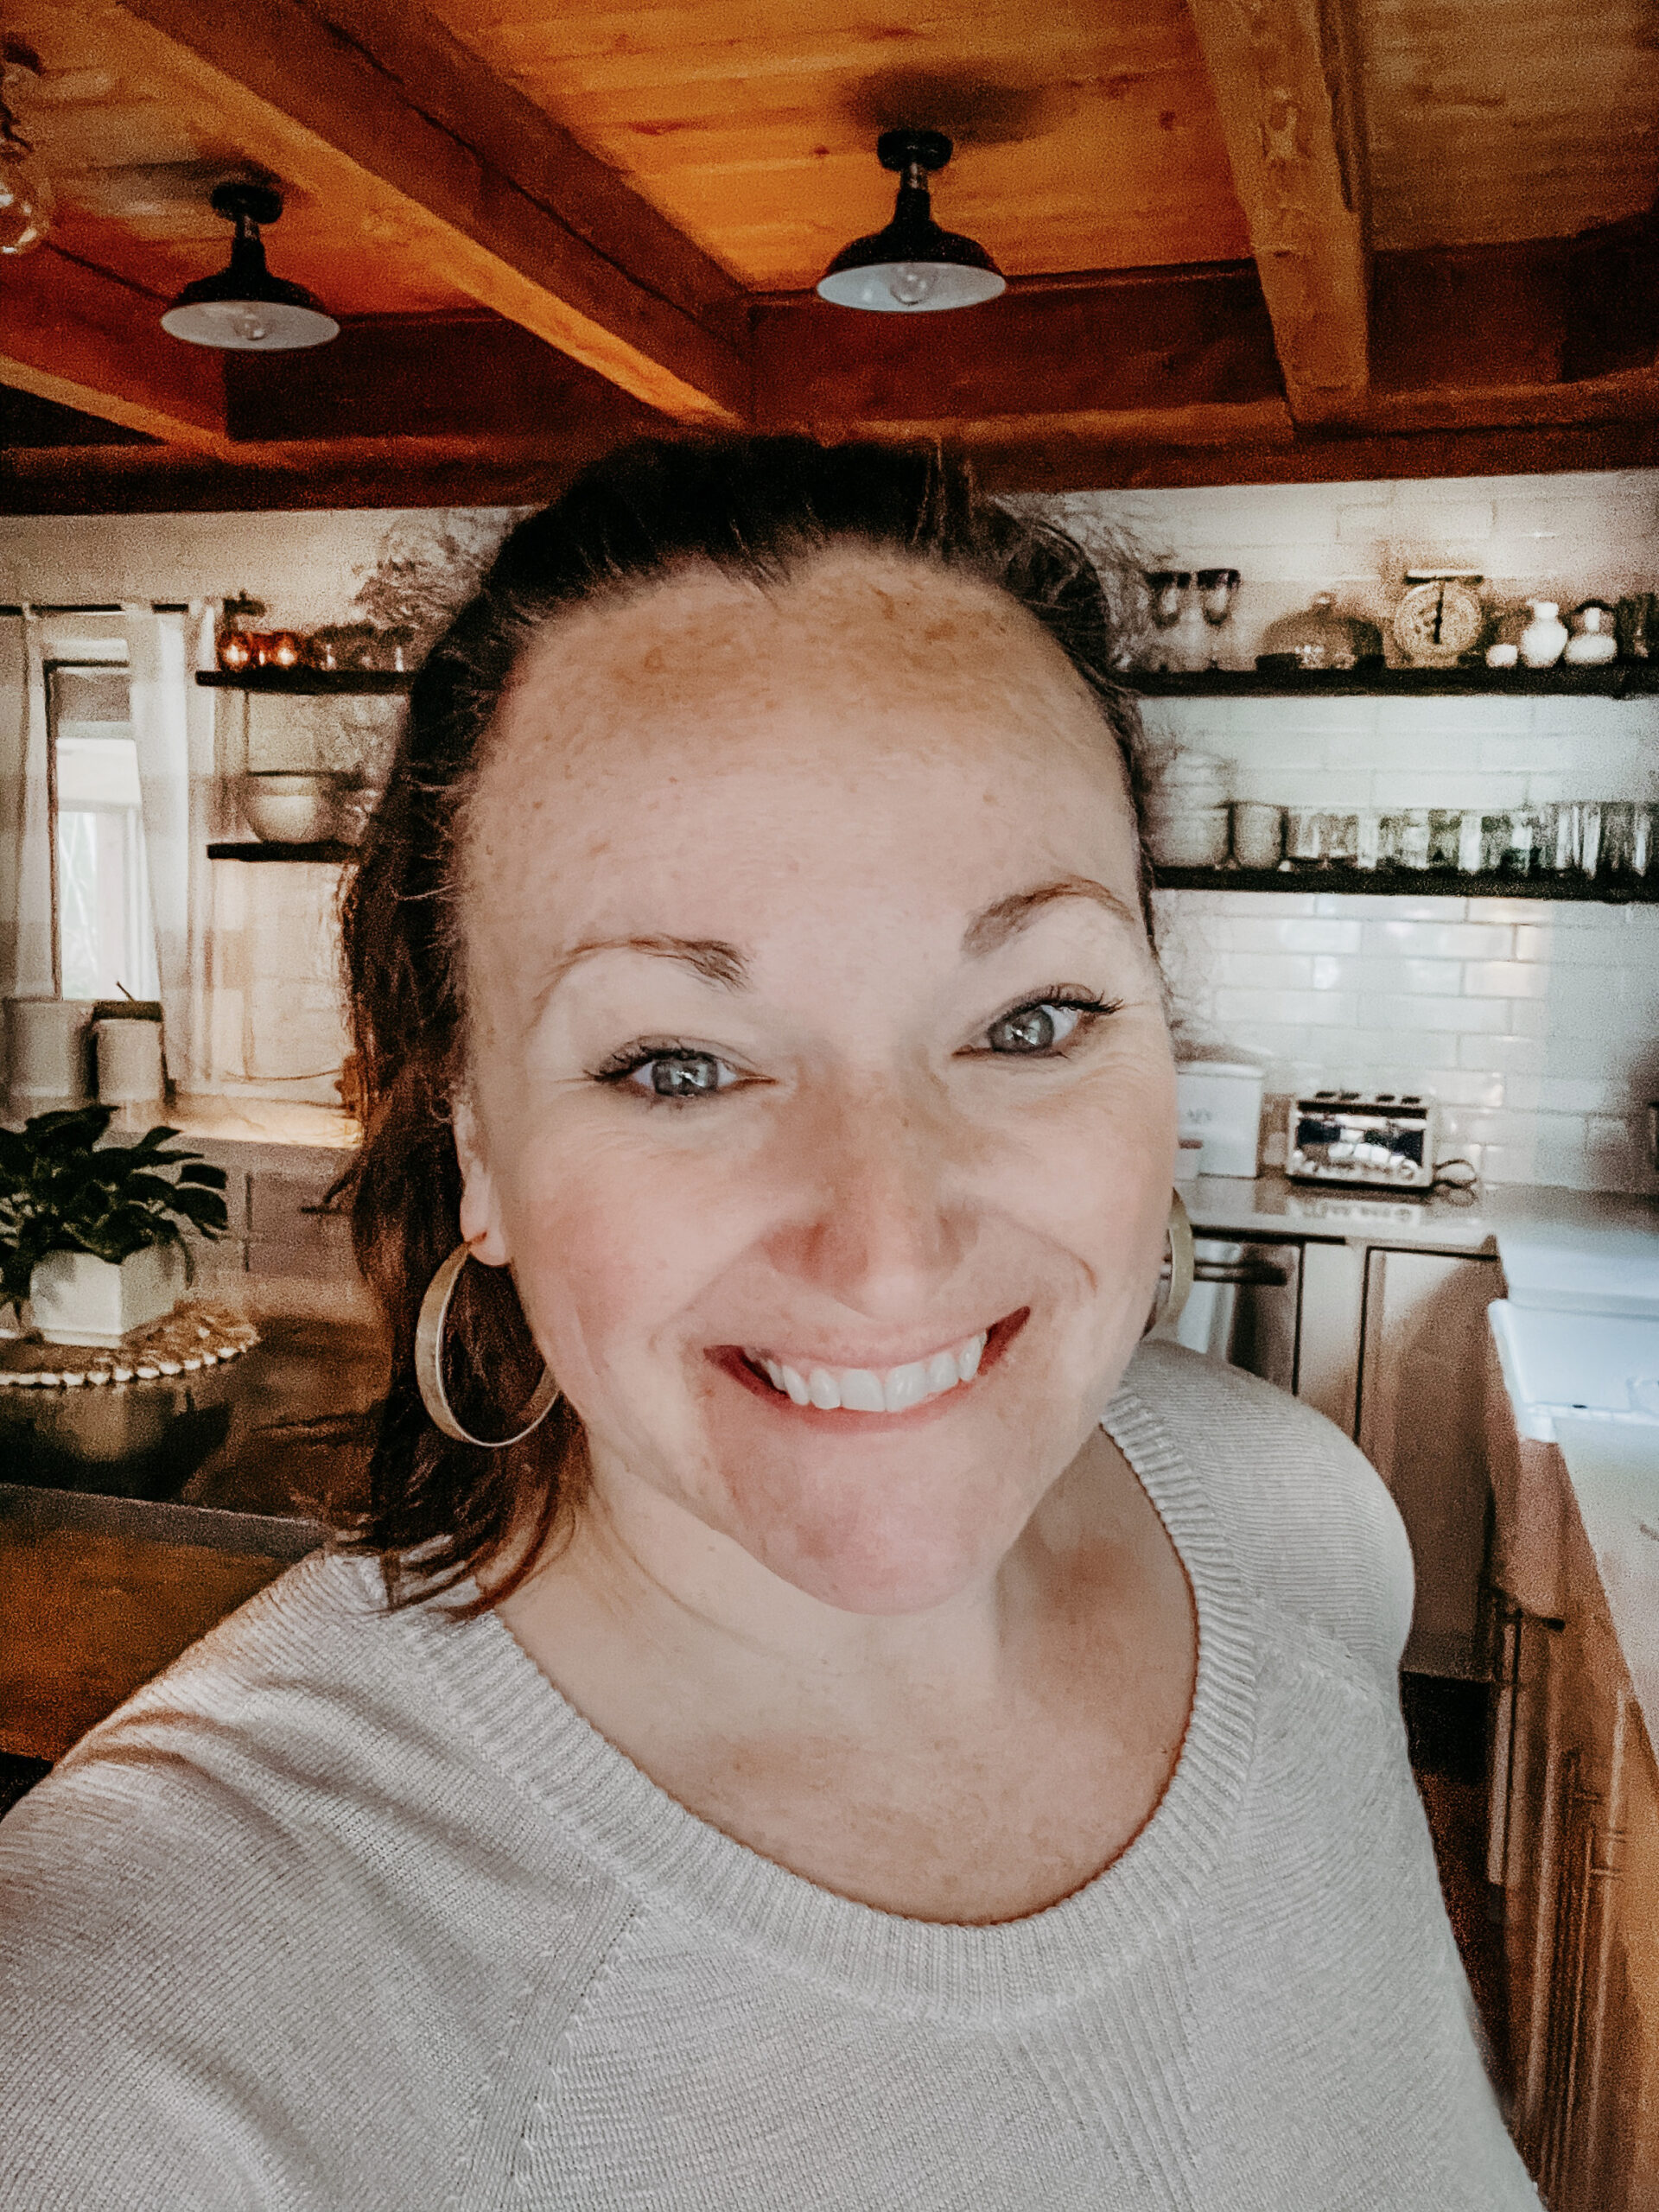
(126, 1534)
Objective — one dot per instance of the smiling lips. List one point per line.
(863, 1389)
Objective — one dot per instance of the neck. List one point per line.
(647, 1607)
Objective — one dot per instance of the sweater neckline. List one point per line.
(674, 1862)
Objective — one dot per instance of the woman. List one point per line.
(820, 1763)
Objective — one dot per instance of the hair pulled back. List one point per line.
(757, 508)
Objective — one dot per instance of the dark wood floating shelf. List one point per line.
(250, 848)
(1629, 679)
(306, 682)
(1411, 883)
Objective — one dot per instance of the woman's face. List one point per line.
(817, 1052)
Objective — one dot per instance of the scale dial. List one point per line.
(1439, 620)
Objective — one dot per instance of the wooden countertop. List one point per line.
(131, 1522)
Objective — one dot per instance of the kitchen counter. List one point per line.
(1614, 1471)
(1270, 1205)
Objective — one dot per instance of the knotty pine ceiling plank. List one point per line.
(1285, 77)
(76, 336)
(325, 115)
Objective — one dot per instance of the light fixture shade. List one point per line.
(911, 267)
(244, 309)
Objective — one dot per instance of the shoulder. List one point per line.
(264, 1933)
(1307, 1520)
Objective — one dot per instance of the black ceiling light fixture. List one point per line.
(245, 309)
(913, 267)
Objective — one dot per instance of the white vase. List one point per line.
(77, 1298)
(1544, 639)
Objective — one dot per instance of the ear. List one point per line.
(480, 1214)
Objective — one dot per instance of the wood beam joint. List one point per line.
(1285, 78)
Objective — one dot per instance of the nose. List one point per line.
(885, 1218)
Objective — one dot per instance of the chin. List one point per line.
(886, 1538)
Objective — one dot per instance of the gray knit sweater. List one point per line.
(352, 1909)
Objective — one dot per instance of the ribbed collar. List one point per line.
(674, 1863)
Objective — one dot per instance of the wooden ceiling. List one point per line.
(1249, 239)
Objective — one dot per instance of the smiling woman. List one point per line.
(878, 1732)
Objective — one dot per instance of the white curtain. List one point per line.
(173, 724)
(26, 963)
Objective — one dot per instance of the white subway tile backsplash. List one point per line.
(1424, 978)
(1312, 1009)
(1492, 1017)
(1435, 940)
(1505, 979)
(1534, 1022)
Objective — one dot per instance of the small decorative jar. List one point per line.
(282, 649)
(1544, 639)
(233, 642)
(1319, 637)
(1594, 640)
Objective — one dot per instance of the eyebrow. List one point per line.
(1006, 918)
(714, 960)
(722, 963)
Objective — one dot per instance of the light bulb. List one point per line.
(911, 282)
(249, 325)
(26, 201)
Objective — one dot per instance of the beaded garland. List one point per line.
(195, 1335)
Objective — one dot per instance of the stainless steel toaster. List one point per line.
(1383, 1139)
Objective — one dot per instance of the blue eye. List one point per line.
(677, 1072)
(1044, 1026)
(680, 1075)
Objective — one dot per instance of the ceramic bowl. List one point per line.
(284, 808)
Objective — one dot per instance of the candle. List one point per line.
(129, 1061)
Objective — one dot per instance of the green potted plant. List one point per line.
(92, 1235)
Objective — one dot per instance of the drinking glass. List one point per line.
(1411, 849)
(1305, 836)
(1167, 588)
(1218, 589)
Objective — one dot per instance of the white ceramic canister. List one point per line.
(1220, 1100)
(46, 1052)
(1544, 639)
(1258, 833)
(1187, 837)
(130, 1070)
(1594, 641)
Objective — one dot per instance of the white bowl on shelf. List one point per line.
(282, 808)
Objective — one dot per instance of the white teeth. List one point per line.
(861, 1389)
(903, 1387)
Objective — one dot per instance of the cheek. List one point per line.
(608, 1255)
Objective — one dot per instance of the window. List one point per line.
(103, 933)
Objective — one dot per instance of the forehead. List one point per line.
(705, 706)
(867, 633)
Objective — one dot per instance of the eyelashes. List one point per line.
(682, 1073)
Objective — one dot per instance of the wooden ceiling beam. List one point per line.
(71, 334)
(439, 472)
(436, 153)
(1285, 78)
(1153, 344)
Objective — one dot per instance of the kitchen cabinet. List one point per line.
(1575, 1842)
(1421, 1423)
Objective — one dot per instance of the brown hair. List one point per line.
(758, 508)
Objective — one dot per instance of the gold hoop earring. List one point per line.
(429, 1363)
(1168, 1311)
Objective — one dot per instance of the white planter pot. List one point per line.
(78, 1300)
